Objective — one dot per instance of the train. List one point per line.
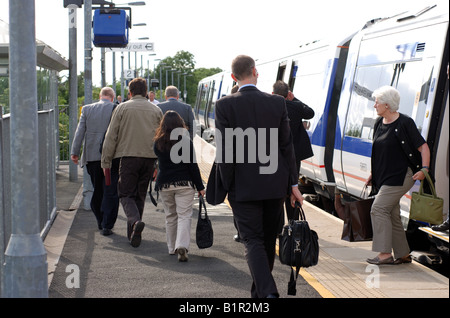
(336, 77)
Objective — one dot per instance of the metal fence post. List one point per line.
(25, 256)
(88, 189)
(73, 86)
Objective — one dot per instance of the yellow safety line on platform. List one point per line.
(314, 283)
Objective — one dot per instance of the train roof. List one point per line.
(404, 19)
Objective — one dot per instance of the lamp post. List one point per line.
(135, 58)
(102, 50)
(167, 74)
(178, 82)
(161, 65)
(150, 75)
(185, 90)
(87, 184)
(172, 71)
(129, 54)
(25, 258)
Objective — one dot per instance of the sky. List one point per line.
(215, 31)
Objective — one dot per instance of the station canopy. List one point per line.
(46, 57)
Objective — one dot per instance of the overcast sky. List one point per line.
(216, 31)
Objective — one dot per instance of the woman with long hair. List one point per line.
(177, 180)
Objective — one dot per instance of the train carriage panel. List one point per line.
(409, 59)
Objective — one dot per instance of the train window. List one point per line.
(212, 101)
(293, 75)
(281, 71)
(412, 80)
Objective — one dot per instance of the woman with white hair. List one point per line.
(399, 152)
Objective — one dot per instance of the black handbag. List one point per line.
(357, 222)
(298, 247)
(204, 233)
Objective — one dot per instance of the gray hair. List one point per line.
(107, 91)
(171, 91)
(388, 95)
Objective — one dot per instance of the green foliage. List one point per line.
(4, 94)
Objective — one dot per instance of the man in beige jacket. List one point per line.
(130, 137)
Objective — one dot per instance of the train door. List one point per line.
(441, 162)
(198, 100)
(206, 105)
(216, 89)
(203, 97)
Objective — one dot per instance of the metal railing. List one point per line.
(48, 132)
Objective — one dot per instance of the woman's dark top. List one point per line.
(183, 173)
(389, 160)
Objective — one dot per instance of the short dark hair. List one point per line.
(242, 66)
(138, 86)
(281, 88)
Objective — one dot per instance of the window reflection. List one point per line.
(412, 80)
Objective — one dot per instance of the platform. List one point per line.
(109, 267)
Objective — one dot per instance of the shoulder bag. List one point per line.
(426, 207)
(298, 247)
(204, 233)
(215, 193)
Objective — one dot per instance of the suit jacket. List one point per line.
(297, 111)
(184, 110)
(264, 115)
(93, 123)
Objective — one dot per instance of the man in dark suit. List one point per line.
(249, 125)
(184, 110)
(297, 111)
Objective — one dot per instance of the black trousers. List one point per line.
(292, 213)
(105, 200)
(257, 223)
(134, 178)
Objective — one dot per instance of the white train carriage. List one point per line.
(209, 90)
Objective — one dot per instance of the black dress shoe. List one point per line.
(107, 232)
(135, 239)
(441, 227)
(237, 238)
(273, 296)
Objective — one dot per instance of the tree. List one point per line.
(183, 62)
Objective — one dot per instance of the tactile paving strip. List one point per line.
(341, 281)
